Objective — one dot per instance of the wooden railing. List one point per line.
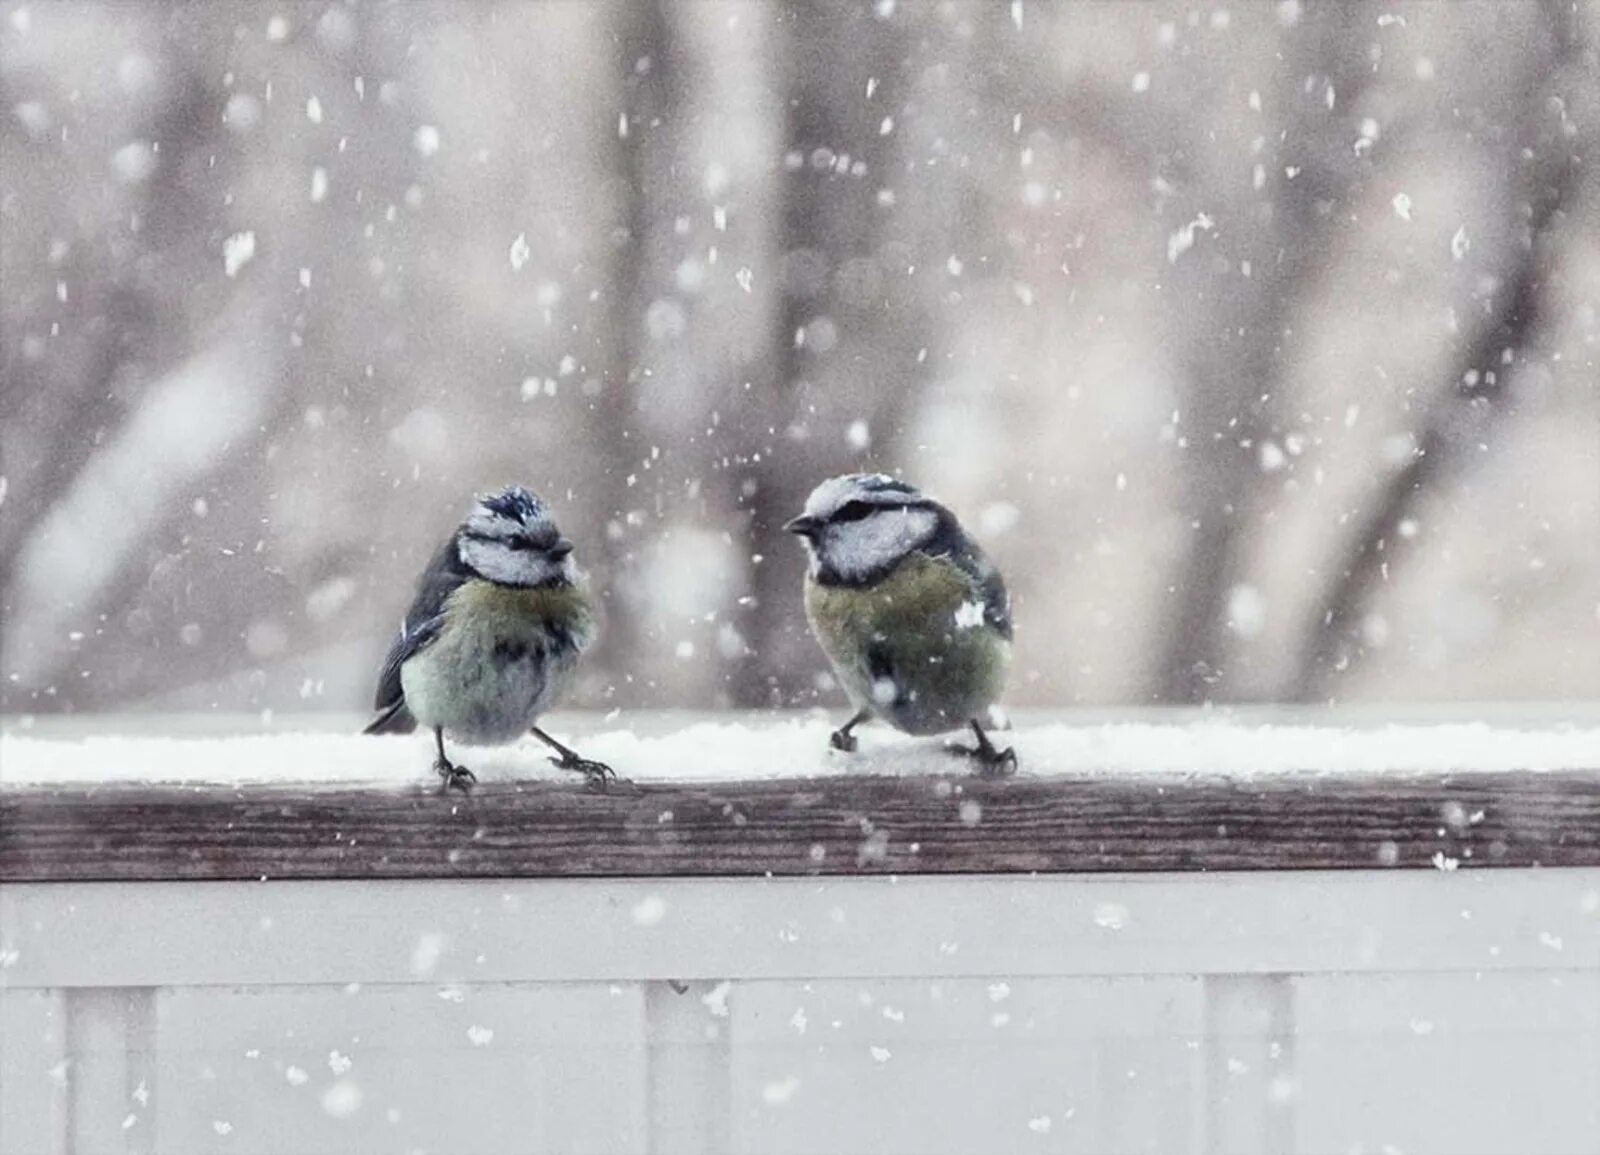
(1302, 963)
(826, 826)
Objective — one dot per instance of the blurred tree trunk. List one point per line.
(1236, 352)
(1547, 157)
(841, 329)
(168, 306)
(123, 331)
(58, 409)
(643, 131)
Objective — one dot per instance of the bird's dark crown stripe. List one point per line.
(515, 503)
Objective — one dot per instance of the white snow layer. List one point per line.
(796, 746)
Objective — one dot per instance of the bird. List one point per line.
(911, 613)
(501, 616)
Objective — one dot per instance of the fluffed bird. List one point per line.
(913, 616)
(501, 616)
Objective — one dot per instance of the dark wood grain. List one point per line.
(803, 827)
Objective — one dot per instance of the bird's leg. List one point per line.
(453, 775)
(598, 774)
(992, 762)
(842, 739)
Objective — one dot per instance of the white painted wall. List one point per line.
(1300, 1013)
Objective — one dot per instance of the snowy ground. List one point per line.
(686, 747)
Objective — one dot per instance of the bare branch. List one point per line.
(832, 224)
(645, 61)
(1235, 357)
(1462, 417)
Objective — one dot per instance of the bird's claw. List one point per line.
(998, 763)
(453, 776)
(844, 741)
(992, 763)
(597, 775)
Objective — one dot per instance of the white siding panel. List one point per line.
(344, 1071)
(144, 934)
(34, 1072)
(1249, 1064)
(687, 1032)
(109, 1041)
(1323, 1014)
(961, 1065)
(1447, 1064)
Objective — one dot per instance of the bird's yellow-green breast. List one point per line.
(509, 609)
(503, 656)
(923, 627)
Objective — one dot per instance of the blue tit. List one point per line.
(912, 615)
(500, 619)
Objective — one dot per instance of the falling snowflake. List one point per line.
(237, 252)
(1182, 241)
(776, 1094)
(1111, 915)
(342, 1100)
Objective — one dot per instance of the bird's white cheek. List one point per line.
(535, 570)
(499, 564)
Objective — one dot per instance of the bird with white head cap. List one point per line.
(911, 613)
(500, 618)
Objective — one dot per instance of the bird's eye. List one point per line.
(853, 511)
(520, 544)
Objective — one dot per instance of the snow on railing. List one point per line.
(762, 799)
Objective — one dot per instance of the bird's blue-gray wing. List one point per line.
(390, 700)
(422, 624)
(990, 587)
(992, 592)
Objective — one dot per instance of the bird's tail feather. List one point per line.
(394, 719)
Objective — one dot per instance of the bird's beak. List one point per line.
(804, 526)
(560, 549)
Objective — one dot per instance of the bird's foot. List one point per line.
(992, 761)
(453, 776)
(597, 775)
(843, 740)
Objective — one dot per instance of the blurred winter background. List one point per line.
(1260, 342)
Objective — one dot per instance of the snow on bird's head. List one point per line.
(858, 527)
(878, 489)
(510, 538)
(514, 512)
(513, 503)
